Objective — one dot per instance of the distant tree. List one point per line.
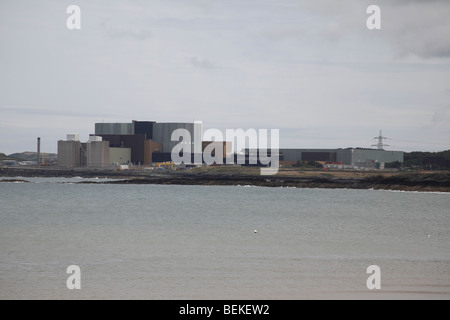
(314, 164)
(427, 160)
(393, 165)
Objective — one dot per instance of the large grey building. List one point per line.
(162, 133)
(69, 153)
(113, 128)
(348, 156)
(148, 139)
(97, 152)
(360, 156)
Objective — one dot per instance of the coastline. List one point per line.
(438, 181)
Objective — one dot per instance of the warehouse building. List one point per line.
(350, 156)
(359, 157)
(362, 156)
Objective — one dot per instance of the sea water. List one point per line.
(220, 242)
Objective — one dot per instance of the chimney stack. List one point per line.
(38, 151)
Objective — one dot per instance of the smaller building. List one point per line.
(69, 152)
(97, 152)
(9, 162)
(119, 156)
(151, 148)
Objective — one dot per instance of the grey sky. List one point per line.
(310, 68)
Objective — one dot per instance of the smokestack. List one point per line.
(38, 151)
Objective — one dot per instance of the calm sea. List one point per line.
(199, 242)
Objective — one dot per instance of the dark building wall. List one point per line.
(161, 156)
(319, 156)
(135, 142)
(348, 156)
(83, 154)
(143, 127)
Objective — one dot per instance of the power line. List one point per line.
(380, 145)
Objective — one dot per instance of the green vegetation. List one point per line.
(28, 156)
(24, 156)
(428, 160)
(393, 165)
(423, 161)
(5, 157)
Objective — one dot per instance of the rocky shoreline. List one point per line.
(431, 182)
(405, 183)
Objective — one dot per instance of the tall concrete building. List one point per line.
(69, 153)
(163, 131)
(97, 152)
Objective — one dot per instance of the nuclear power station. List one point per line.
(145, 143)
(138, 142)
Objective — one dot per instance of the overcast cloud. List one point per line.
(310, 68)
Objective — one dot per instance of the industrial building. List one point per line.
(113, 128)
(149, 139)
(97, 152)
(146, 138)
(133, 142)
(224, 146)
(162, 133)
(148, 142)
(73, 153)
(354, 157)
(119, 156)
(138, 142)
(358, 157)
(69, 154)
